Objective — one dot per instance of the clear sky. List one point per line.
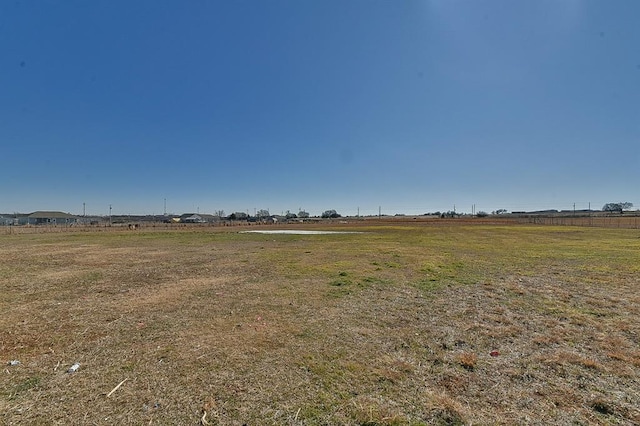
(413, 106)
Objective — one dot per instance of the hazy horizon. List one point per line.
(343, 212)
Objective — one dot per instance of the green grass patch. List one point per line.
(26, 385)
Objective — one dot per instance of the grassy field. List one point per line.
(393, 325)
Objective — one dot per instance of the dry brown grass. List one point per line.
(468, 360)
(392, 327)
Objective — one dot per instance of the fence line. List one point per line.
(625, 222)
(613, 222)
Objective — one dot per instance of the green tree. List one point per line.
(330, 214)
(617, 207)
(238, 216)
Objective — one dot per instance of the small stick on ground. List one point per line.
(117, 387)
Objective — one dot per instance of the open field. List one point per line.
(398, 324)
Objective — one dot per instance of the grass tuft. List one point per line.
(468, 360)
(603, 407)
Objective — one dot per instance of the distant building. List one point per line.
(210, 218)
(191, 218)
(197, 218)
(6, 220)
(51, 218)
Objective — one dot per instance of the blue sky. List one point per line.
(413, 106)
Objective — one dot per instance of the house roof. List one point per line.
(188, 215)
(50, 215)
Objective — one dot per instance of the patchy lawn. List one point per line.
(393, 325)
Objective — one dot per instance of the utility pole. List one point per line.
(379, 211)
(165, 206)
(84, 211)
(109, 214)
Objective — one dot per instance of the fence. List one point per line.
(625, 221)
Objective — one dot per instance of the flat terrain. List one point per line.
(404, 324)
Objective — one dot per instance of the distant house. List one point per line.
(278, 219)
(196, 218)
(191, 218)
(20, 218)
(51, 218)
(210, 218)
